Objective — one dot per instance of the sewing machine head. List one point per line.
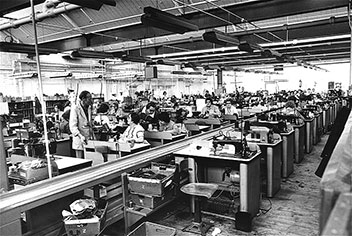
(238, 147)
(260, 134)
(275, 126)
(292, 118)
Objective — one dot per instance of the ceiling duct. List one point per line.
(220, 38)
(166, 21)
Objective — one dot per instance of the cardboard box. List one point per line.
(152, 181)
(91, 226)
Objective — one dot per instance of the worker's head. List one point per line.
(208, 102)
(86, 98)
(164, 118)
(133, 117)
(103, 108)
(151, 108)
(228, 103)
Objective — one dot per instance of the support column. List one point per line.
(4, 181)
(218, 79)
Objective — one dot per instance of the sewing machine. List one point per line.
(292, 118)
(275, 126)
(260, 134)
(233, 147)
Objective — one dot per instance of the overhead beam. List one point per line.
(252, 11)
(8, 6)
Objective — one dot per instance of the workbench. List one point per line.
(249, 168)
(310, 123)
(271, 153)
(299, 142)
(157, 138)
(288, 143)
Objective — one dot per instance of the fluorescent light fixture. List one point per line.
(166, 21)
(139, 59)
(93, 4)
(23, 75)
(221, 38)
(211, 67)
(25, 48)
(91, 54)
(61, 75)
(247, 47)
(270, 53)
(189, 65)
(179, 72)
(168, 62)
(88, 76)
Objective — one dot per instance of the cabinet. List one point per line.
(21, 110)
(146, 204)
(51, 103)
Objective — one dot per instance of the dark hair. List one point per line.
(164, 116)
(59, 106)
(176, 105)
(209, 99)
(151, 104)
(103, 108)
(83, 94)
(135, 117)
(228, 100)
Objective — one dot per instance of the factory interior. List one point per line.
(175, 117)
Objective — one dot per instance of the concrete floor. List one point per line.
(293, 211)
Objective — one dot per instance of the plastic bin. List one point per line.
(152, 229)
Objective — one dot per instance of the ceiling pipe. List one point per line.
(40, 16)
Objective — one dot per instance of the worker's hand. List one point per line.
(83, 139)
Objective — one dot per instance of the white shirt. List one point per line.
(230, 111)
(101, 119)
(133, 132)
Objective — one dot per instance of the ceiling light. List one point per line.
(166, 21)
(93, 4)
(220, 38)
(139, 59)
(25, 48)
(91, 54)
(168, 62)
(247, 47)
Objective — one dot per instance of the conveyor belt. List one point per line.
(40, 193)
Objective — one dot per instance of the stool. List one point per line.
(199, 190)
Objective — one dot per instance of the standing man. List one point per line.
(81, 122)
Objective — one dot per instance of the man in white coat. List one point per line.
(81, 123)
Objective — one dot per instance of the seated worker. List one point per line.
(181, 114)
(230, 109)
(166, 124)
(134, 131)
(57, 114)
(210, 110)
(150, 117)
(116, 110)
(102, 118)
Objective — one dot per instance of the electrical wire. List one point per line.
(264, 211)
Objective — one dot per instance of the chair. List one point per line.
(199, 190)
